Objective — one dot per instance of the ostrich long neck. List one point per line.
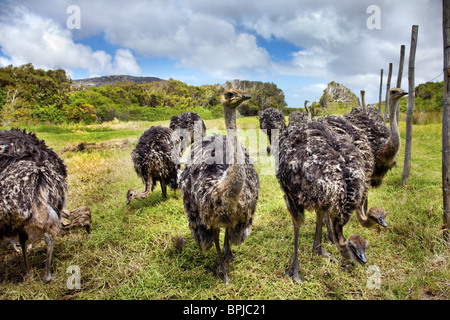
(141, 195)
(233, 181)
(394, 140)
(363, 219)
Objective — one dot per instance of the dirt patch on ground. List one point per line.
(110, 144)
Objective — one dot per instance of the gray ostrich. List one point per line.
(271, 119)
(341, 126)
(155, 158)
(187, 121)
(319, 170)
(220, 187)
(297, 116)
(300, 116)
(33, 191)
(384, 141)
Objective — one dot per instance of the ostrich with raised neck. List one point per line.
(384, 141)
(219, 192)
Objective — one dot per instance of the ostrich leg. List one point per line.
(222, 265)
(23, 237)
(50, 243)
(228, 254)
(163, 188)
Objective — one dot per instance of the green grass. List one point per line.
(132, 252)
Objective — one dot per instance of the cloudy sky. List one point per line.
(300, 45)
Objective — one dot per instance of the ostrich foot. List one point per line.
(330, 257)
(222, 269)
(228, 255)
(292, 271)
(47, 278)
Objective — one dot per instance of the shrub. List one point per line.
(83, 112)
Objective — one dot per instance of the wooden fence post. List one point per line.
(411, 102)
(381, 91)
(399, 77)
(446, 121)
(388, 87)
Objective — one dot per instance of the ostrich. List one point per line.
(16, 145)
(155, 158)
(300, 116)
(368, 110)
(297, 116)
(384, 141)
(319, 170)
(33, 191)
(220, 187)
(271, 119)
(188, 121)
(341, 126)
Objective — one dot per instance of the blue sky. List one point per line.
(298, 45)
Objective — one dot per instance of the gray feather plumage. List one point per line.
(33, 191)
(154, 157)
(297, 117)
(319, 170)
(205, 207)
(378, 135)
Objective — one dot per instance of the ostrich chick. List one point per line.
(220, 187)
(31, 200)
(319, 170)
(271, 119)
(155, 158)
(189, 126)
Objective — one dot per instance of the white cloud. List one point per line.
(27, 37)
(220, 38)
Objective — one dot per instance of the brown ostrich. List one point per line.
(220, 187)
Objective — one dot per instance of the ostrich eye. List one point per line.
(230, 94)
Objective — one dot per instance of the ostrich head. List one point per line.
(356, 246)
(396, 93)
(232, 98)
(131, 194)
(377, 215)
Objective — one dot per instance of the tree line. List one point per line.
(37, 96)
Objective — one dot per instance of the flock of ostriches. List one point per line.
(326, 164)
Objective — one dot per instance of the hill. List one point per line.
(100, 81)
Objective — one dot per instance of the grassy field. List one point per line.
(134, 251)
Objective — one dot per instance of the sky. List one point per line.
(300, 45)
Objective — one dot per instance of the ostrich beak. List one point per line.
(382, 222)
(128, 201)
(360, 255)
(246, 96)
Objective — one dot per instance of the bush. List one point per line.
(83, 112)
(48, 114)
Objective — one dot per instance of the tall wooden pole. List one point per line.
(381, 91)
(400, 76)
(388, 87)
(446, 120)
(411, 102)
